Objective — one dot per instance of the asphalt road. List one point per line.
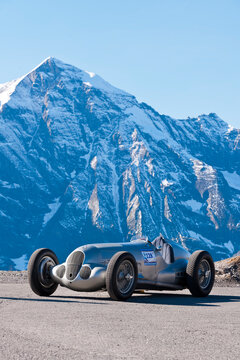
(153, 325)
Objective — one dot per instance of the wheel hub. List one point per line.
(125, 277)
(45, 267)
(204, 274)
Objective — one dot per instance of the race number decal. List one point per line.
(149, 257)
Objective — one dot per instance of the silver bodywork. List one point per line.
(85, 268)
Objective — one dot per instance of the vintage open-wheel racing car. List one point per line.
(121, 268)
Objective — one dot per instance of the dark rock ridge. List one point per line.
(82, 161)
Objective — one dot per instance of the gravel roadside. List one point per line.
(15, 277)
(20, 277)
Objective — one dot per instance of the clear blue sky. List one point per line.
(180, 56)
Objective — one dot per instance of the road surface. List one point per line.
(151, 325)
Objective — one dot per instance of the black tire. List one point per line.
(200, 273)
(39, 272)
(115, 270)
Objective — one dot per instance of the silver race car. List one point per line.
(121, 268)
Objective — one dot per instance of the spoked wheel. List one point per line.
(39, 272)
(121, 277)
(204, 274)
(200, 273)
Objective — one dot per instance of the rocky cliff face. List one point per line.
(82, 161)
(228, 271)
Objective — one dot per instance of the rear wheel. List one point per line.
(121, 276)
(200, 273)
(39, 268)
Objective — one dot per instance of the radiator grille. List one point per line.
(74, 264)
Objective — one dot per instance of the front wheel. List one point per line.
(39, 269)
(200, 273)
(121, 276)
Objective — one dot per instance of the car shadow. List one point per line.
(163, 299)
(61, 299)
(138, 298)
(183, 299)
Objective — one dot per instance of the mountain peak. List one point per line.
(51, 60)
(47, 65)
(54, 68)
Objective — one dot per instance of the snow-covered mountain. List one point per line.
(82, 161)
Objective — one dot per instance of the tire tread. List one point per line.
(33, 275)
(111, 269)
(192, 275)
